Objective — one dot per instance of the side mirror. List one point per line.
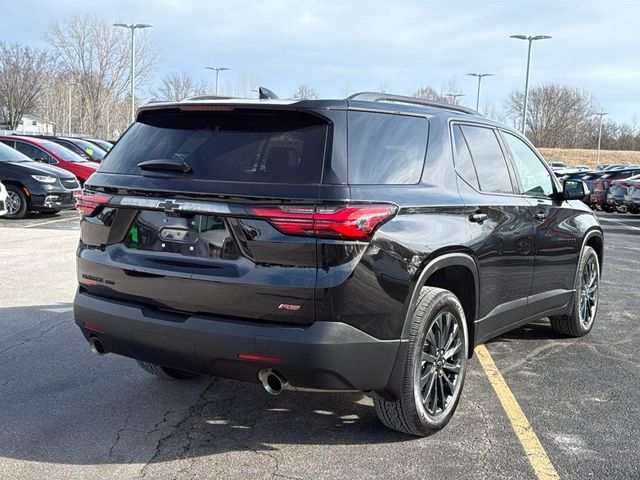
(574, 190)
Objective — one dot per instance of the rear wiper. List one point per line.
(165, 165)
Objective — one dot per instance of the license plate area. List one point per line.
(182, 234)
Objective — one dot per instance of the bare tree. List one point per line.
(429, 93)
(242, 87)
(305, 92)
(24, 73)
(557, 115)
(178, 86)
(96, 57)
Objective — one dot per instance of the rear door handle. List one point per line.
(477, 217)
(540, 216)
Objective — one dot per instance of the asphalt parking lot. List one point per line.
(66, 413)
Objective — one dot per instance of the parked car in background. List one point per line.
(632, 197)
(379, 238)
(555, 165)
(46, 151)
(617, 191)
(106, 146)
(601, 187)
(80, 146)
(3, 200)
(34, 186)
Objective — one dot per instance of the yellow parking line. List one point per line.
(536, 454)
(66, 219)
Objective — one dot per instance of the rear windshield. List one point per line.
(247, 146)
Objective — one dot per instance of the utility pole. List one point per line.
(133, 27)
(479, 76)
(69, 85)
(530, 39)
(454, 97)
(600, 114)
(217, 70)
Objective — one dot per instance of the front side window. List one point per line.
(535, 179)
(489, 161)
(386, 149)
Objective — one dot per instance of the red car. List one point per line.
(46, 151)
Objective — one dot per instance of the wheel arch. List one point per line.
(595, 239)
(458, 273)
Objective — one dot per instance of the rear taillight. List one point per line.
(350, 222)
(87, 201)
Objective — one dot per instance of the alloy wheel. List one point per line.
(14, 203)
(441, 364)
(589, 292)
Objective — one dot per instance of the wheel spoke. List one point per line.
(432, 395)
(426, 378)
(428, 358)
(453, 334)
(453, 350)
(452, 367)
(449, 383)
(441, 392)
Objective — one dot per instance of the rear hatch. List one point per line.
(203, 210)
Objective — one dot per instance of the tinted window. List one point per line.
(63, 152)
(491, 166)
(29, 150)
(464, 164)
(90, 149)
(386, 149)
(273, 147)
(534, 177)
(8, 154)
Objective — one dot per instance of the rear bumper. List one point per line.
(324, 356)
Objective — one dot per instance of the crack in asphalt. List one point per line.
(118, 434)
(42, 334)
(197, 405)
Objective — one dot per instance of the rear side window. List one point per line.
(29, 150)
(244, 146)
(386, 149)
(464, 164)
(489, 161)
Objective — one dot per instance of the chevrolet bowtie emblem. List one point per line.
(169, 205)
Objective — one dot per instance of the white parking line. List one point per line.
(629, 227)
(66, 219)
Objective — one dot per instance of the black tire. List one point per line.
(165, 372)
(574, 324)
(409, 414)
(607, 208)
(16, 194)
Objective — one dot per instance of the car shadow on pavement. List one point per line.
(63, 404)
(538, 330)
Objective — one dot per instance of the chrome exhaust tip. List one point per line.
(96, 346)
(272, 381)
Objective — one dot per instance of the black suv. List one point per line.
(360, 244)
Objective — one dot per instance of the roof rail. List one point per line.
(388, 97)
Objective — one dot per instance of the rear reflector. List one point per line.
(88, 201)
(93, 327)
(350, 222)
(258, 358)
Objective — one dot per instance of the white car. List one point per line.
(3, 200)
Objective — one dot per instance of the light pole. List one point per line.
(530, 39)
(454, 97)
(133, 27)
(600, 114)
(479, 76)
(217, 70)
(69, 85)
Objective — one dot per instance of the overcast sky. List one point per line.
(338, 47)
